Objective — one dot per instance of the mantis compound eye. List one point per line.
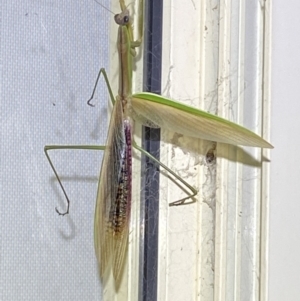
(125, 19)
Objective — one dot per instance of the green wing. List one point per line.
(189, 121)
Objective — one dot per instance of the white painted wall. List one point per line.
(285, 168)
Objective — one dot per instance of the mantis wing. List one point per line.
(189, 121)
(112, 211)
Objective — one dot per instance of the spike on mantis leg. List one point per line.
(113, 203)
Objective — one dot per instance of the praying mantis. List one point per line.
(112, 211)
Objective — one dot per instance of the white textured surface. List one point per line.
(51, 52)
(285, 171)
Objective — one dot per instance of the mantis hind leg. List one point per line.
(182, 201)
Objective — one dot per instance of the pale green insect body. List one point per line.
(112, 212)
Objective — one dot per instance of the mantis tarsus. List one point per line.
(112, 211)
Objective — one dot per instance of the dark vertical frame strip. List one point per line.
(151, 143)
